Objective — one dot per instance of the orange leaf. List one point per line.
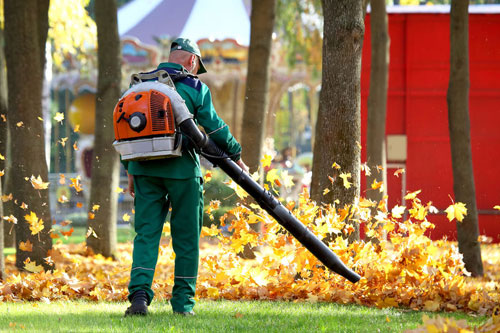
(67, 233)
(28, 246)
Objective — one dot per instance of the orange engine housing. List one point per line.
(143, 114)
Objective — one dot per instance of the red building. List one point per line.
(417, 115)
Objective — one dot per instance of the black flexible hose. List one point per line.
(267, 201)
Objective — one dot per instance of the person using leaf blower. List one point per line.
(156, 181)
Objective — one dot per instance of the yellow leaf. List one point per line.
(287, 179)
(266, 160)
(237, 189)
(91, 216)
(398, 211)
(20, 124)
(40, 118)
(75, 146)
(378, 185)
(38, 183)
(412, 195)
(24, 206)
(95, 208)
(4, 119)
(336, 166)
(345, 177)
(272, 175)
(2, 172)
(63, 141)
(2, 157)
(325, 191)
(456, 211)
(77, 128)
(62, 199)
(36, 224)
(31, 266)
(212, 292)
(207, 177)
(497, 207)
(118, 189)
(75, 183)
(126, 217)
(59, 117)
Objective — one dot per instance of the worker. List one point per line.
(179, 181)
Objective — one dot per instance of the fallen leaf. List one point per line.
(36, 224)
(59, 117)
(266, 161)
(345, 176)
(38, 183)
(456, 211)
(31, 266)
(412, 195)
(399, 172)
(28, 246)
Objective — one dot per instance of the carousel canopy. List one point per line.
(193, 19)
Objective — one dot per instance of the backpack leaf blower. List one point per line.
(148, 127)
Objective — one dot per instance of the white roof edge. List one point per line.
(441, 9)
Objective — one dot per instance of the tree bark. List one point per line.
(338, 127)
(2, 264)
(459, 126)
(24, 78)
(8, 238)
(377, 99)
(105, 166)
(257, 84)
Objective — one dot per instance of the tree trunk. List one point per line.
(257, 85)
(105, 166)
(24, 77)
(8, 238)
(459, 126)
(338, 127)
(377, 99)
(2, 264)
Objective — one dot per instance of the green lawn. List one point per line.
(212, 316)
(123, 234)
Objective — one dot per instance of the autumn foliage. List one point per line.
(405, 269)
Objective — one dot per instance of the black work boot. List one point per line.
(139, 306)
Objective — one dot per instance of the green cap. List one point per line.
(187, 45)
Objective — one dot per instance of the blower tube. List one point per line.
(266, 200)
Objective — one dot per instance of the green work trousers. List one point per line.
(151, 208)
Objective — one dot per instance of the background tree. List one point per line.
(459, 126)
(105, 166)
(377, 99)
(8, 237)
(25, 35)
(338, 128)
(2, 264)
(257, 83)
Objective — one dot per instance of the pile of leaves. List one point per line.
(403, 269)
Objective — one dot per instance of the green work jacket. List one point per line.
(199, 102)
